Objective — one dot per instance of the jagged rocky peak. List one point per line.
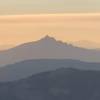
(51, 40)
(48, 38)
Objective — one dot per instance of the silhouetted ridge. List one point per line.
(31, 67)
(47, 48)
(62, 84)
(48, 39)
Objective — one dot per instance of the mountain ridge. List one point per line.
(31, 67)
(61, 84)
(47, 48)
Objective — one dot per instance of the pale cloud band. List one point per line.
(48, 6)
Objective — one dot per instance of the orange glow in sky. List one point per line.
(19, 29)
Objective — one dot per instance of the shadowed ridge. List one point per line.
(31, 67)
(62, 84)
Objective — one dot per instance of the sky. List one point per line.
(48, 6)
(67, 20)
(66, 27)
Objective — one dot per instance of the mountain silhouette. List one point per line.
(61, 84)
(47, 48)
(31, 67)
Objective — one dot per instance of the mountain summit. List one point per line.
(47, 48)
(48, 39)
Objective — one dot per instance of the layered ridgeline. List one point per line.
(61, 84)
(47, 48)
(27, 68)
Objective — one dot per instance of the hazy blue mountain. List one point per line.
(61, 84)
(47, 48)
(27, 68)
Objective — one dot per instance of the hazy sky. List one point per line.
(66, 20)
(48, 6)
(66, 27)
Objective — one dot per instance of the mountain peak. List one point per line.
(48, 38)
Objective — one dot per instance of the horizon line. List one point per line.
(52, 14)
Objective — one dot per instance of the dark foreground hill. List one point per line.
(27, 68)
(61, 84)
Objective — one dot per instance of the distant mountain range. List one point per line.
(87, 44)
(27, 68)
(61, 84)
(49, 70)
(47, 48)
